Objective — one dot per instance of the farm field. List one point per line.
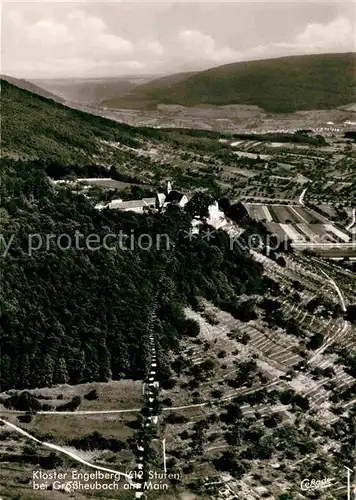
(284, 214)
(304, 228)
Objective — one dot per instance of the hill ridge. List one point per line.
(24, 84)
(279, 85)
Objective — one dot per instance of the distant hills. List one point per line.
(280, 85)
(31, 87)
(90, 91)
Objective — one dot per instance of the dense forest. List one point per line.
(75, 314)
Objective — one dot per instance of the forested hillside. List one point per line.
(74, 315)
(36, 127)
(280, 85)
(142, 95)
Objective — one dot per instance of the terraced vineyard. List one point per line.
(252, 367)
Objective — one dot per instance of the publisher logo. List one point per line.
(315, 484)
(312, 484)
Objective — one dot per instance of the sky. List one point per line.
(95, 39)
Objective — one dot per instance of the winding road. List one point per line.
(70, 454)
(301, 197)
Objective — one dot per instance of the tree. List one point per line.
(76, 400)
(51, 461)
(75, 365)
(270, 305)
(25, 371)
(198, 204)
(169, 383)
(273, 420)
(26, 419)
(261, 451)
(230, 462)
(292, 327)
(286, 397)
(192, 328)
(91, 395)
(208, 365)
(45, 371)
(238, 213)
(301, 401)
(104, 361)
(297, 285)
(25, 401)
(316, 341)
(313, 304)
(281, 261)
(351, 313)
(91, 371)
(60, 372)
(71, 405)
(224, 205)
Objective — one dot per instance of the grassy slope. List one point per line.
(278, 85)
(31, 87)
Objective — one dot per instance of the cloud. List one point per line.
(201, 46)
(49, 31)
(76, 45)
(338, 34)
(85, 22)
(154, 48)
(335, 36)
(51, 39)
(93, 39)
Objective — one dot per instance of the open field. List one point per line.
(123, 394)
